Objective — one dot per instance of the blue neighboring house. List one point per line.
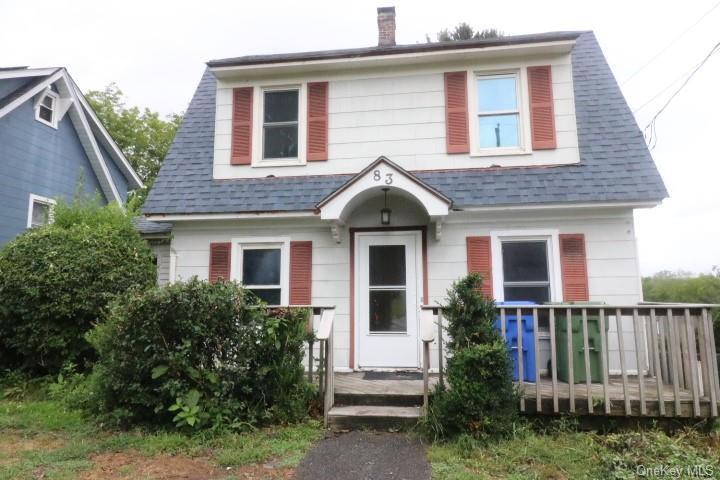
(51, 144)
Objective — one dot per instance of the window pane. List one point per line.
(48, 101)
(40, 214)
(387, 311)
(45, 113)
(281, 142)
(261, 266)
(496, 94)
(387, 265)
(271, 296)
(529, 294)
(525, 261)
(281, 106)
(499, 131)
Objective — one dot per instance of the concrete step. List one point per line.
(376, 417)
(380, 399)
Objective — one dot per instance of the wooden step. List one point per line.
(375, 417)
(380, 399)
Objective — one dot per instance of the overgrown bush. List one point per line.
(197, 354)
(55, 281)
(480, 399)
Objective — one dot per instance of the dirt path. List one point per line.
(366, 456)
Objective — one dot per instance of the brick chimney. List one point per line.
(386, 26)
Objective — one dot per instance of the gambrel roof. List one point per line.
(615, 165)
(93, 135)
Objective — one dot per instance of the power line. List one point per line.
(665, 89)
(650, 132)
(672, 42)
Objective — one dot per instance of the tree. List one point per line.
(464, 31)
(56, 280)
(142, 135)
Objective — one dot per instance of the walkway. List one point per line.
(366, 456)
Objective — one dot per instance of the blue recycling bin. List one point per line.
(511, 337)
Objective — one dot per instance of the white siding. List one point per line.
(609, 234)
(401, 114)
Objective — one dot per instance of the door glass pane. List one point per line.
(540, 294)
(261, 266)
(387, 265)
(525, 262)
(271, 296)
(281, 106)
(281, 141)
(387, 311)
(496, 94)
(499, 131)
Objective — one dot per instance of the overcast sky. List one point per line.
(155, 51)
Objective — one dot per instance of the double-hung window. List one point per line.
(280, 123)
(498, 113)
(261, 270)
(526, 272)
(45, 110)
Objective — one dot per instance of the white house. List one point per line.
(372, 178)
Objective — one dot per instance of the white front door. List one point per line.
(388, 270)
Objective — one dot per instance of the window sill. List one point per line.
(279, 163)
(500, 152)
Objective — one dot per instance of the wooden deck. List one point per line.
(355, 384)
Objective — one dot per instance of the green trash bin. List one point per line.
(578, 347)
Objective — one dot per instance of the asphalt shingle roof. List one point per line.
(150, 227)
(615, 164)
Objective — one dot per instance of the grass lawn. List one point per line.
(568, 454)
(42, 439)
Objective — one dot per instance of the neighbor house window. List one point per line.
(261, 271)
(497, 111)
(45, 111)
(39, 211)
(526, 274)
(280, 123)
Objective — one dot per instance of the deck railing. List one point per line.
(629, 360)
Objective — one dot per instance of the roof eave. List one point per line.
(384, 58)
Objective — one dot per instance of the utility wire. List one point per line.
(650, 132)
(665, 89)
(672, 42)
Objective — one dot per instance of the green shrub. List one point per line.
(55, 280)
(480, 399)
(197, 354)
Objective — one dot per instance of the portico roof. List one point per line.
(373, 179)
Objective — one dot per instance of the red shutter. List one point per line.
(301, 273)
(542, 110)
(456, 113)
(573, 264)
(219, 262)
(479, 259)
(241, 150)
(317, 126)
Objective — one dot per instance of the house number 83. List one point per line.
(377, 176)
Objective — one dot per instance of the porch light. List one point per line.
(385, 212)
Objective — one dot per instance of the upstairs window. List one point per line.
(261, 272)
(39, 211)
(526, 273)
(280, 124)
(498, 112)
(45, 111)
